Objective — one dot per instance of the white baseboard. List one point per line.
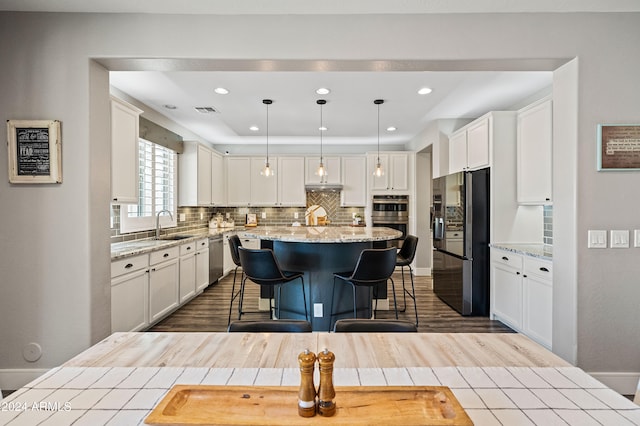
(623, 383)
(12, 379)
(422, 272)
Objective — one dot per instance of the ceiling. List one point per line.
(349, 114)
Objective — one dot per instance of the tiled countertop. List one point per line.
(542, 251)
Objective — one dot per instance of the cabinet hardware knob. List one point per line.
(165, 255)
(153, 269)
(517, 273)
(543, 269)
(505, 258)
(188, 248)
(128, 265)
(524, 276)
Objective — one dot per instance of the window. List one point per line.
(157, 189)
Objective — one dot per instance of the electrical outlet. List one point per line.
(264, 215)
(295, 215)
(228, 215)
(183, 217)
(317, 310)
(201, 216)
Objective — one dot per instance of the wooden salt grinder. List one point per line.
(307, 392)
(326, 392)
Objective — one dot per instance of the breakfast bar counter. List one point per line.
(319, 252)
(497, 378)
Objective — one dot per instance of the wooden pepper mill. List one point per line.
(307, 392)
(326, 392)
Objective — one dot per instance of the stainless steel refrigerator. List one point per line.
(461, 241)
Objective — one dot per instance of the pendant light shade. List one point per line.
(322, 170)
(378, 172)
(267, 171)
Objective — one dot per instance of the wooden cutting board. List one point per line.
(274, 405)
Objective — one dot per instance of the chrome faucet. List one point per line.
(158, 221)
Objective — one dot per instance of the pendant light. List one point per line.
(267, 171)
(378, 172)
(322, 170)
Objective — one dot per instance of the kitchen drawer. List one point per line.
(507, 258)
(164, 255)
(188, 248)
(539, 267)
(202, 244)
(129, 264)
(454, 235)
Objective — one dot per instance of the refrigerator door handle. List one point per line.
(438, 229)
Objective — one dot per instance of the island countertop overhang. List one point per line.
(323, 234)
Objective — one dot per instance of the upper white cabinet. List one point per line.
(354, 183)
(264, 190)
(469, 147)
(201, 176)
(332, 165)
(396, 167)
(291, 178)
(124, 152)
(238, 181)
(535, 142)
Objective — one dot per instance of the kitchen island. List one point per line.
(497, 378)
(319, 252)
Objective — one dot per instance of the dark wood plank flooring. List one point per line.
(209, 311)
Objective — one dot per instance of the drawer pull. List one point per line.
(505, 258)
(543, 269)
(128, 265)
(165, 255)
(189, 248)
(517, 273)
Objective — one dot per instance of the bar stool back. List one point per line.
(234, 244)
(374, 266)
(261, 267)
(374, 326)
(404, 258)
(272, 326)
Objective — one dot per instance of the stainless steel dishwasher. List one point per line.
(216, 254)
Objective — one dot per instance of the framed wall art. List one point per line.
(618, 147)
(35, 148)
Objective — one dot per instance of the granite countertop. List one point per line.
(323, 234)
(543, 251)
(135, 247)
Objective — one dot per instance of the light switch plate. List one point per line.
(264, 215)
(636, 237)
(620, 238)
(597, 239)
(317, 310)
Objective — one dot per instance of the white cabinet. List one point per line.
(200, 176)
(187, 271)
(469, 147)
(264, 189)
(227, 260)
(238, 181)
(202, 264)
(354, 183)
(535, 143)
(291, 177)
(163, 283)
(522, 294)
(124, 152)
(129, 293)
(396, 167)
(333, 166)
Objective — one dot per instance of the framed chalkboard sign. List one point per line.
(618, 147)
(34, 151)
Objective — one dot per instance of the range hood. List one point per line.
(323, 187)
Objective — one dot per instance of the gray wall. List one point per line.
(55, 263)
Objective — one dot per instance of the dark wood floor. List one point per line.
(209, 311)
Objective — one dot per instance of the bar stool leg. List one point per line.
(304, 300)
(242, 283)
(413, 296)
(395, 304)
(233, 295)
(404, 294)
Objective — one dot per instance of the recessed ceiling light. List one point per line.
(323, 129)
(425, 91)
(221, 91)
(254, 128)
(323, 91)
(391, 129)
(169, 106)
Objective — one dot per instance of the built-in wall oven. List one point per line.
(391, 211)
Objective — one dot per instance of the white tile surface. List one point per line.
(613, 399)
(116, 399)
(524, 398)
(145, 398)
(468, 398)
(7, 416)
(33, 396)
(482, 417)
(60, 377)
(397, 377)
(88, 398)
(217, 376)
(583, 399)
(192, 376)
(291, 377)
(113, 377)
(495, 398)
(371, 377)
(608, 417)
(545, 417)
(59, 418)
(243, 376)
(344, 377)
(512, 417)
(554, 378)
(554, 399)
(87, 377)
(129, 417)
(476, 377)
(95, 418)
(423, 376)
(30, 418)
(633, 415)
(61, 398)
(450, 376)
(528, 378)
(577, 418)
(269, 377)
(138, 378)
(580, 378)
(164, 378)
(502, 377)
(44, 376)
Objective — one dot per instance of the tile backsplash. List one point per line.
(275, 216)
(547, 213)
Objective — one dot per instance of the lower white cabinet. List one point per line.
(163, 282)
(522, 294)
(227, 260)
(202, 265)
(187, 271)
(129, 293)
